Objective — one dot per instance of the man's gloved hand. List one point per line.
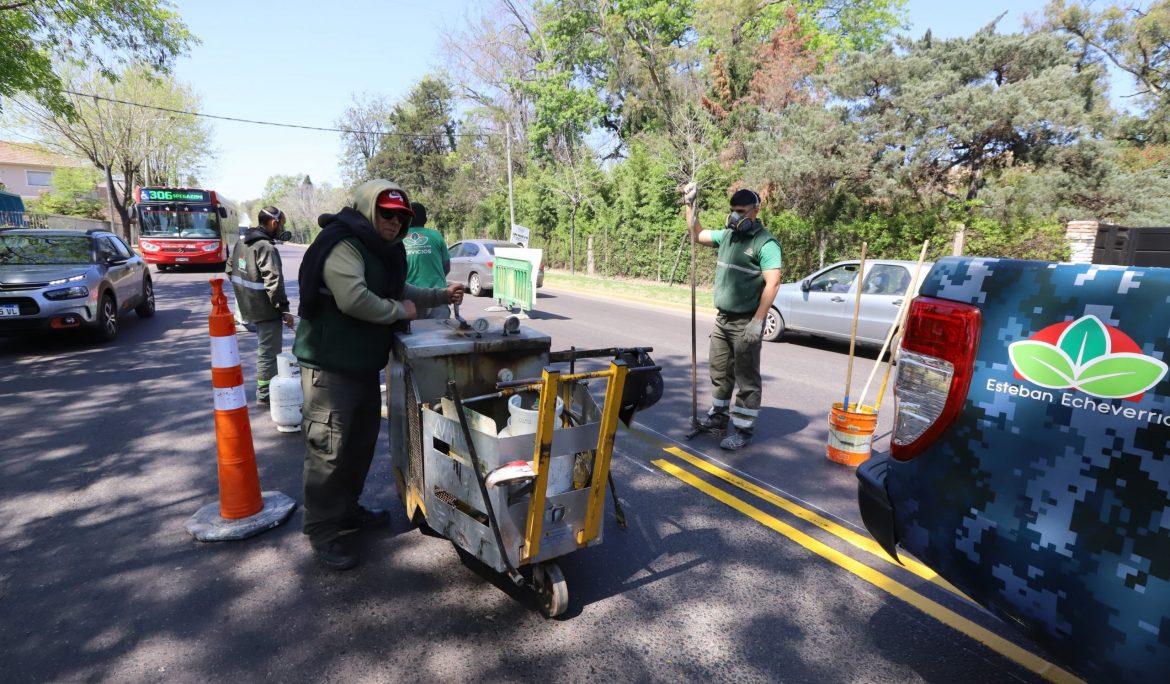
(754, 332)
(690, 192)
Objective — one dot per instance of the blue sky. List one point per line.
(299, 62)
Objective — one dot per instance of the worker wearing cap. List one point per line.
(427, 260)
(747, 276)
(258, 282)
(354, 296)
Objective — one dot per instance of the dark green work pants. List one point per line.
(340, 419)
(734, 363)
(269, 342)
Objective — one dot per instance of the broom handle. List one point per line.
(853, 335)
(899, 320)
(885, 379)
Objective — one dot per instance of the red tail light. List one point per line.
(489, 264)
(934, 372)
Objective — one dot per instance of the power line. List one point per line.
(274, 123)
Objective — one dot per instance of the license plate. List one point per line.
(181, 259)
(9, 310)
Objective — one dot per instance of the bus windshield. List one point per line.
(188, 222)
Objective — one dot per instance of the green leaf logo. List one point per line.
(1043, 364)
(1083, 359)
(1085, 340)
(1118, 376)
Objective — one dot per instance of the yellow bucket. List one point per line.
(851, 433)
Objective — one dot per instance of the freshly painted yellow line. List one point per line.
(945, 615)
(864, 543)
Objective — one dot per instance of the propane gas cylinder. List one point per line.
(285, 394)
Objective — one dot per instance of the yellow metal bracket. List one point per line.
(549, 382)
(618, 370)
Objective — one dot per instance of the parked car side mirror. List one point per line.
(223, 212)
(805, 285)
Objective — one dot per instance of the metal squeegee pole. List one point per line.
(453, 390)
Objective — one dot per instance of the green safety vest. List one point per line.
(334, 341)
(739, 282)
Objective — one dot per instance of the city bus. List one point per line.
(185, 226)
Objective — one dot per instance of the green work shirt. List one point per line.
(770, 255)
(739, 274)
(427, 259)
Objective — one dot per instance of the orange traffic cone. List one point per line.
(243, 509)
(239, 481)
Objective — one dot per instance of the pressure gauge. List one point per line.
(505, 375)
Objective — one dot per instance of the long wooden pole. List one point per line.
(899, 321)
(859, 280)
(694, 334)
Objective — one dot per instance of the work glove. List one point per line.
(690, 192)
(753, 333)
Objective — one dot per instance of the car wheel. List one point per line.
(473, 286)
(146, 308)
(107, 319)
(773, 326)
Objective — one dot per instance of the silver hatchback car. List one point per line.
(822, 304)
(62, 279)
(471, 264)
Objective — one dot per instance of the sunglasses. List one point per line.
(393, 215)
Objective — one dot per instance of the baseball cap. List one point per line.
(394, 200)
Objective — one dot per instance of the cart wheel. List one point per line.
(552, 588)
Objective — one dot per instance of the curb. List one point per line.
(685, 308)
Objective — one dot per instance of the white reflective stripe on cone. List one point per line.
(229, 398)
(225, 353)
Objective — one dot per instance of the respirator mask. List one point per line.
(282, 236)
(737, 220)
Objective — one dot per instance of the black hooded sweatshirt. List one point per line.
(344, 224)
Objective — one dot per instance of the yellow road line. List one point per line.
(864, 543)
(1002, 646)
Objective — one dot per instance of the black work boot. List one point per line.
(366, 519)
(738, 439)
(335, 555)
(715, 423)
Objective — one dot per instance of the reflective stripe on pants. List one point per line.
(732, 364)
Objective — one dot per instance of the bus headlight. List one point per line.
(148, 246)
(210, 247)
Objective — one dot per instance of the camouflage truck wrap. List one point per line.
(1048, 498)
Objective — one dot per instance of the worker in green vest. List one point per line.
(747, 277)
(353, 297)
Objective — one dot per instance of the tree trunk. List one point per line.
(589, 255)
(960, 239)
(821, 240)
(678, 257)
(659, 259)
(119, 206)
(573, 240)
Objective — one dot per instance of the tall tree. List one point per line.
(364, 125)
(129, 144)
(945, 118)
(419, 143)
(107, 35)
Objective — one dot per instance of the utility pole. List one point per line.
(511, 202)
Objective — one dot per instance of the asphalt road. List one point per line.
(105, 451)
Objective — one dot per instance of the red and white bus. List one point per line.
(185, 226)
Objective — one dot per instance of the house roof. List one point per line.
(29, 154)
